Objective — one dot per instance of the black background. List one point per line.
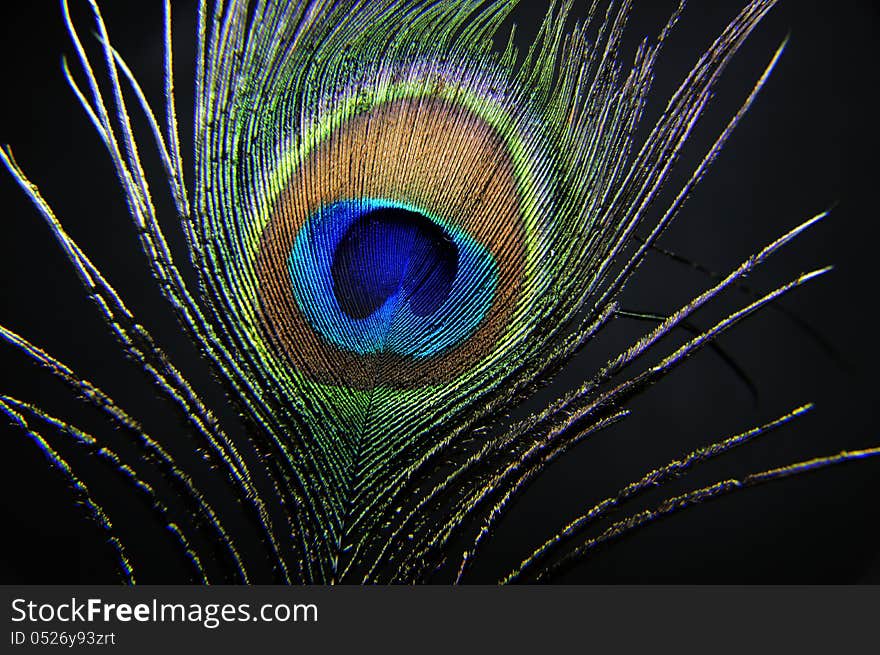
(808, 144)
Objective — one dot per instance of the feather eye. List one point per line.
(400, 233)
(405, 267)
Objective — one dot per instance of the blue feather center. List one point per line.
(376, 276)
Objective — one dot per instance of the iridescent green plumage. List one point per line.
(375, 436)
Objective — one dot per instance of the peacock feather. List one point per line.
(400, 228)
